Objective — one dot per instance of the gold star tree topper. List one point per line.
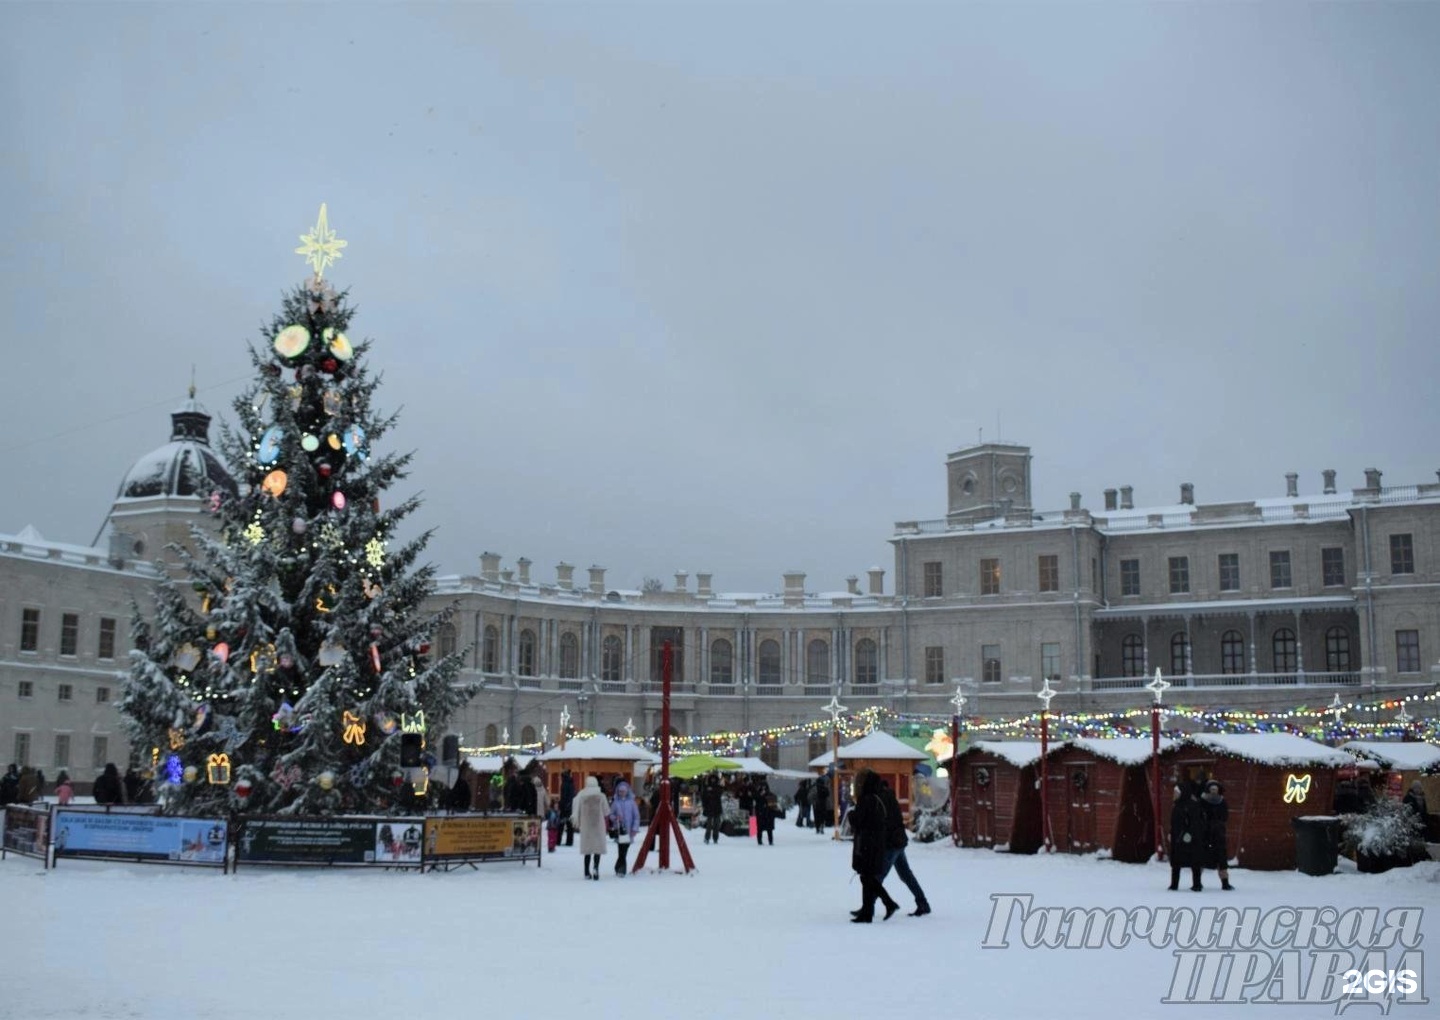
(320, 247)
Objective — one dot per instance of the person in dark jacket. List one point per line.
(765, 809)
(460, 792)
(1188, 824)
(713, 805)
(9, 784)
(567, 798)
(869, 821)
(802, 804)
(896, 841)
(1217, 817)
(820, 803)
(108, 788)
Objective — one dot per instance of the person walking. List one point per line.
(460, 792)
(870, 825)
(589, 811)
(625, 814)
(64, 791)
(766, 807)
(896, 842)
(820, 803)
(802, 804)
(713, 804)
(1188, 823)
(567, 799)
(1217, 817)
(541, 796)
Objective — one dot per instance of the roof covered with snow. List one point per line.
(1406, 757)
(1019, 753)
(1124, 750)
(1271, 748)
(496, 762)
(598, 747)
(873, 745)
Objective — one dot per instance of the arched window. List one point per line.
(490, 652)
(722, 661)
(1283, 646)
(817, 662)
(492, 735)
(1232, 652)
(569, 656)
(769, 661)
(526, 663)
(1179, 654)
(1337, 650)
(1132, 656)
(527, 735)
(612, 656)
(867, 663)
(445, 639)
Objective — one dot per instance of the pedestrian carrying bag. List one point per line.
(622, 837)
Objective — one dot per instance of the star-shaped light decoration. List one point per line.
(1045, 694)
(544, 733)
(564, 718)
(629, 728)
(959, 701)
(375, 552)
(254, 533)
(835, 710)
(1403, 717)
(330, 536)
(505, 736)
(1158, 686)
(1336, 709)
(320, 247)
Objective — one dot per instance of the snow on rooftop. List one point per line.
(1123, 750)
(1271, 748)
(598, 747)
(1408, 756)
(1019, 753)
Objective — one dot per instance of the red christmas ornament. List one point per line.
(324, 469)
(242, 788)
(329, 365)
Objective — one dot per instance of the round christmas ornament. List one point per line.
(329, 365)
(221, 652)
(190, 773)
(243, 787)
(309, 443)
(299, 525)
(292, 341)
(354, 441)
(337, 500)
(326, 780)
(287, 661)
(269, 450)
(333, 441)
(324, 468)
(339, 345)
(331, 653)
(275, 482)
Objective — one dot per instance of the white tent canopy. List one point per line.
(598, 748)
(873, 745)
(496, 762)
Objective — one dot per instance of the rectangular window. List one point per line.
(102, 695)
(62, 750)
(934, 664)
(1332, 567)
(990, 663)
(1407, 651)
(29, 630)
(1402, 554)
(26, 689)
(1229, 571)
(106, 649)
(99, 753)
(1050, 660)
(69, 633)
(990, 577)
(65, 692)
(1280, 568)
(933, 586)
(1049, 573)
(1179, 575)
(22, 749)
(1129, 577)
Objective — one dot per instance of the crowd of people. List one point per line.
(27, 786)
(1199, 820)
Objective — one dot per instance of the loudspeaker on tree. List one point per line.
(450, 749)
(410, 745)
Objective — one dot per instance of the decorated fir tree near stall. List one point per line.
(286, 674)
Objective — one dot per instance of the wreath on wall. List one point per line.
(982, 776)
(1079, 779)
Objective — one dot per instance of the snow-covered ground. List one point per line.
(755, 932)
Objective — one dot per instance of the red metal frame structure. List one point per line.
(959, 702)
(1045, 693)
(664, 822)
(1157, 685)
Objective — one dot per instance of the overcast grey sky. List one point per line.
(718, 287)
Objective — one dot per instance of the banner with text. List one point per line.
(140, 837)
(26, 830)
(388, 842)
(479, 838)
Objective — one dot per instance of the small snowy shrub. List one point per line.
(1388, 829)
(931, 824)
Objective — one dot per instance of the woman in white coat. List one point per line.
(589, 811)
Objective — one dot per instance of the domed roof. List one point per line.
(185, 466)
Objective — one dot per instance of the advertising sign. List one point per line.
(140, 837)
(479, 838)
(390, 842)
(26, 830)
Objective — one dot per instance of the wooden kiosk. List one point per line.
(890, 758)
(599, 756)
(998, 796)
(1100, 798)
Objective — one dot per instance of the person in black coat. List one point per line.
(567, 797)
(869, 821)
(765, 809)
(108, 788)
(1188, 824)
(460, 792)
(713, 805)
(820, 803)
(1217, 817)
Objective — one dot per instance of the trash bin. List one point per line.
(1317, 843)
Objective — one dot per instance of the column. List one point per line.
(1299, 650)
(1251, 617)
(703, 656)
(1144, 646)
(627, 673)
(1189, 649)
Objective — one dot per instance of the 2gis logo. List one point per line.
(1377, 982)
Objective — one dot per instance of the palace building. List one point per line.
(1270, 603)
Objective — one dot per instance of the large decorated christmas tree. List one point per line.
(290, 668)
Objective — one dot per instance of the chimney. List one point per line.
(1292, 484)
(852, 584)
(794, 582)
(1127, 497)
(702, 585)
(507, 576)
(565, 576)
(489, 566)
(1329, 475)
(1110, 499)
(1372, 478)
(524, 566)
(1187, 493)
(1074, 501)
(877, 580)
(681, 578)
(597, 580)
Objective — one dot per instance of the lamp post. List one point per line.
(1158, 687)
(834, 709)
(1045, 694)
(959, 702)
